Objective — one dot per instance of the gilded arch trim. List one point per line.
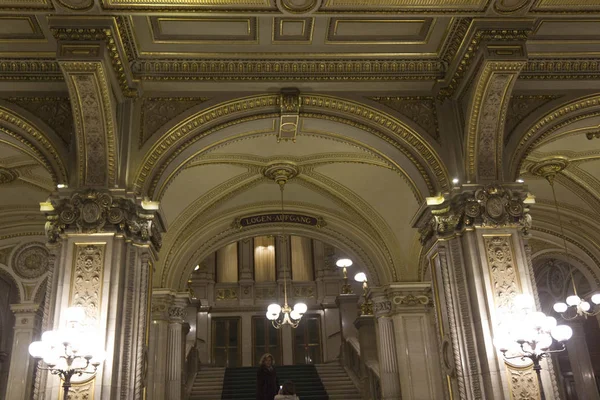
(386, 127)
(35, 143)
(559, 117)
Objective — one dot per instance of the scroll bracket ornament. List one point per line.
(93, 211)
(471, 206)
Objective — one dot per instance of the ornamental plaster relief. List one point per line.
(95, 122)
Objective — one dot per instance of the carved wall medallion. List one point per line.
(297, 6)
(523, 382)
(305, 292)
(30, 260)
(549, 167)
(226, 294)
(7, 176)
(86, 280)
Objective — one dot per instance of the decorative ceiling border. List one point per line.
(288, 70)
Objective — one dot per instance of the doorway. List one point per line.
(265, 339)
(226, 336)
(307, 341)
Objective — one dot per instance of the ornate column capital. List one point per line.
(169, 306)
(92, 211)
(401, 297)
(470, 205)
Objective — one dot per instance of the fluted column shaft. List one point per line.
(388, 361)
(174, 360)
(579, 357)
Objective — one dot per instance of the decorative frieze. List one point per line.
(473, 205)
(30, 260)
(93, 212)
(86, 280)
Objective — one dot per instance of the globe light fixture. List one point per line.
(345, 263)
(574, 306)
(366, 308)
(70, 351)
(528, 334)
(286, 315)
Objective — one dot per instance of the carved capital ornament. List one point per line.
(475, 206)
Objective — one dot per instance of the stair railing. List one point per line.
(366, 372)
(192, 367)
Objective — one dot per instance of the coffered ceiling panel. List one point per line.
(197, 37)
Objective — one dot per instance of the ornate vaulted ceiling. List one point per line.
(187, 105)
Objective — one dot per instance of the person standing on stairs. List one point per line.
(267, 383)
(287, 392)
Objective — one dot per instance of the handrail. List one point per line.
(366, 372)
(192, 367)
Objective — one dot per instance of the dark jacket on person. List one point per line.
(267, 383)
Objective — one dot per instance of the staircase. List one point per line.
(208, 384)
(240, 383)
(336, 382)
(313, 382)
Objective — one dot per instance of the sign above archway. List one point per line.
(273, 218)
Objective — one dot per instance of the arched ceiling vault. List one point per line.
(366, 182)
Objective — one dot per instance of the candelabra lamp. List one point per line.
(68, 352)
(366, 308)
(531, 335)
(344, 263)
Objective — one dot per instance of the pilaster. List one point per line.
(416, 344)
(175, 345)
(365, 327)
(389, 377)
(476, 239)
(28, 318)
(107, 243)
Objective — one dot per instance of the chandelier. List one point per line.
(531, 335)
(573, 306)
(286, 315)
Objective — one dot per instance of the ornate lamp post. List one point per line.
(69, 351)
(532, 335)
(345, 263)
(366, 308)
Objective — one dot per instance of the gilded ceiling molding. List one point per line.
(330, 69)
(76, 5)
(25, 5)
(192, 129)
(486, 117)
(561, 69)
(95, 122)
(30, 70)
(559, 117)
(113, 41)
(461, 65)
(34, 143)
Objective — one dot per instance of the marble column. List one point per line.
(475, 247)
(107, 244)
(416, 343)
(27, 330)
(579, 357)
(175, 345)
(389, 377)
